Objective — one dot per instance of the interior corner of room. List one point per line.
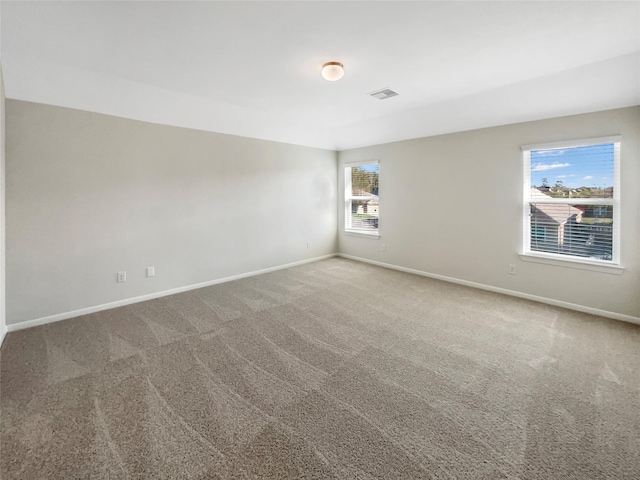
(319, 239)
(92, 194)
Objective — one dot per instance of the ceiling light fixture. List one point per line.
(332, 71)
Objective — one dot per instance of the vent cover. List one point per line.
(383, 93)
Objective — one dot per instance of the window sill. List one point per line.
(591, 265)
(361, 233)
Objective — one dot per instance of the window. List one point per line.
(572, 200)
(362, 206)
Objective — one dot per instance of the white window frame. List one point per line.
(607, 266)
(348, 198)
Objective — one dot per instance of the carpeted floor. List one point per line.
(334, 369)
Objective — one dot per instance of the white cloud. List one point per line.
(550, 153)
(588, 177)
(541, 167)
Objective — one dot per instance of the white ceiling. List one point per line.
(253, 68)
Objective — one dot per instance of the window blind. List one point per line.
(362, 190)
(572, 200)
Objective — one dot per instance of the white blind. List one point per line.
(572, 198)
(362, 204)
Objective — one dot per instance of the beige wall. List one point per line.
(451, 205)
(3, 319)
(89, 195)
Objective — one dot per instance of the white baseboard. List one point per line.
(128, 301)
(513, 293)
(3, 334)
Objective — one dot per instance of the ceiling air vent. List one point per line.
(383, 93)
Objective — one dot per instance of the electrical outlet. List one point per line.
(151, 271)
(512, 269)
(383, 248)
(122, 277)
(308, 245)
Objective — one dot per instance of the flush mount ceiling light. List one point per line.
(332, 71)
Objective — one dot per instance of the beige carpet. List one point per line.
(334, 369)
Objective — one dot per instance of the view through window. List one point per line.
(362, 205)
(572, 199)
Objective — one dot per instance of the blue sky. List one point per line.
(587, 166)
(369, 168)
